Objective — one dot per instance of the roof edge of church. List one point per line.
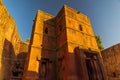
(45, 13)
(78, 12)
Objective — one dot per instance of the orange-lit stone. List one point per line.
(61, 48)
(60, 45)
(12, 48)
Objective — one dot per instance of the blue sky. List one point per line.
(104, 15)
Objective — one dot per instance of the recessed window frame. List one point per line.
(80, 27)
(46, 30)
(60, 27)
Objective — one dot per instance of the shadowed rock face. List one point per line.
(111, 59)
(12, 63)
(1, 76)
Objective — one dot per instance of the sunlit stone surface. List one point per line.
(13, 50)
(63, 47)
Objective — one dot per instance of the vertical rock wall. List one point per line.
(111, 59)
(10, 44)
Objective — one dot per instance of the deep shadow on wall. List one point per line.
(80, 65)
(48, 65)
(8, 56)
(12, 64)
(57, 63)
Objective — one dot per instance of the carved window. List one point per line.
(60, 27)
(44, 69)
(80, 28)
(17, 70)
(46, 30)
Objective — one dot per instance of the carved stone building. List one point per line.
(13, 50)
(63, 47)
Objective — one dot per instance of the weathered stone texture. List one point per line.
(111, 59)
(61, 48)
(10, 44)
(53, 42)
(42, 41)
(78, 24)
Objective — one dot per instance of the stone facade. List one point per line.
(111, 61)
(63, 48)
(11, 46)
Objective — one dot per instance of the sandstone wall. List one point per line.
(79, 30)
(111, 60)
(73, 29)
(42, 45)
(10, 43)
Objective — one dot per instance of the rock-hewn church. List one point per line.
(61, 47)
